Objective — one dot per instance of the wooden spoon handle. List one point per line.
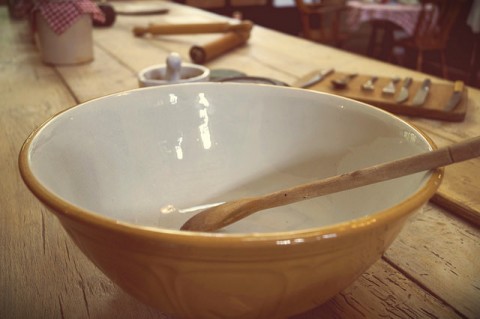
(220, 216)
(381, 172)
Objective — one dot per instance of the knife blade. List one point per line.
(316, 78)
(456, 96)
(422, 93)
(403, 95)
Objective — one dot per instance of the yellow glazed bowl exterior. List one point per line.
(202, 275)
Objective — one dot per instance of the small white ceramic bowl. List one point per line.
(155, 74)
(121, 172)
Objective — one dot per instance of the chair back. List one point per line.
(312, 5)
(436, 21)
(321, 20)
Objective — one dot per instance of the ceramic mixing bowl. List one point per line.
(123, 172)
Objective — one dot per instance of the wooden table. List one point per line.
(431, 270)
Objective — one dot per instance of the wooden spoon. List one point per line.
(225, 214)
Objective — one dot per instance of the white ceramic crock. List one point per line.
(74, 46)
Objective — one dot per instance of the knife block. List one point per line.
(433, 107)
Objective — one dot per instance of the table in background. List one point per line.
(383, 16)
(431, 270)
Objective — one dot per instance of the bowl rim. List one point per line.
(64, 209)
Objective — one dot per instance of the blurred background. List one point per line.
(330, 22)
(462, 52)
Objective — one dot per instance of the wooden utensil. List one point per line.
(390, 88)
(225, 214)
(370, 84)
(233, 35)
(343, 82)
(193, 28)
(203, 53)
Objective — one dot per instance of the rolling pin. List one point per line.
(195, 28)
(201, 54)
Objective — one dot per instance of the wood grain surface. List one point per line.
(430, 271)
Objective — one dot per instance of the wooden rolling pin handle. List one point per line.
(205, 53)
(139, 31)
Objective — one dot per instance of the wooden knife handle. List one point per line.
(458, 86)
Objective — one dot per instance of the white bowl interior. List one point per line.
(146, 156)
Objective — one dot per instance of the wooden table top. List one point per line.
(431, 270)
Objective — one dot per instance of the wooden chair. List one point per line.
(321, 20)
(432, 30)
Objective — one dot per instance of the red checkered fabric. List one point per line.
(60, 15)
